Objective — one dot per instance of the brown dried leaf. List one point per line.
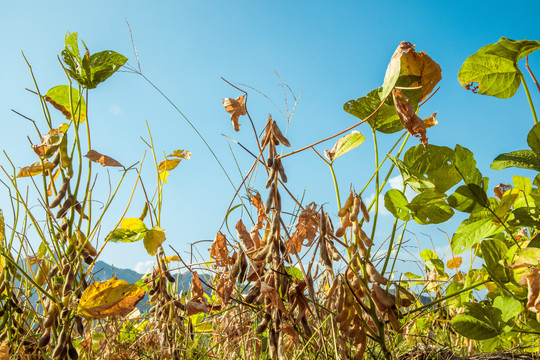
(195, 307)
(224, 288)
(218, 250)
(422, 66)
(501, 189)
(235, 107)
(256, 201)
(243, 235)
(274, 296)
(4, 351)
(410, 121)
(306, 229)
(196, 287)
(533, 286)
(104, 160)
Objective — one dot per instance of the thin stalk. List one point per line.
(528, 97)
(377, 189)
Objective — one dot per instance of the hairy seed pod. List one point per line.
(281, 171)
(243, 268)
(45, 338)
(179, 305)
(264, 324)
(61, 194)
(364, 210)
(392, 317)
(363, 236)
(64, 209)
(371, 271)
(345, 324)
(253, 293)
(169, 277)
(270, 200)
(386, 299)
(305, 325)
(235, 269)
(88, 260)
(345, 223)
(72, 352)
(340, 299)
(66, 269)
(58, 350)
(64, 313)
(43, 271)
(79, 325)
(355, 209)
(272, 174)
(56, 159)
(362, 344)
(346, 205)
(279, 135)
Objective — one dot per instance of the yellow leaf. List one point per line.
(168, 164)
(181, 153)
(133, 224)
(109, 298)
(153, 240)
(163, 176)
(35, 169)
(168, 259)
(454, 263)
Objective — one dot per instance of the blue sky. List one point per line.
(331, 52)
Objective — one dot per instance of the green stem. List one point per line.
(528, 97)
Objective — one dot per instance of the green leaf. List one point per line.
(471, 231)
(412, 276)
(415, 180)
(58, 96)
(462, 199)
(489, 75)
(386, 120)
(430, 207)
(466, 165)
(344, 145)
(102, 65)
(513, 50)
(396, 202)
(153, 240)
(493, 251)
(533, 138)
(479, 322)
(436, 264)
(428, 254)
(522, 183)
(437, 162)
(294, 272)
(524, 159)
(509, 307)
(131, 230)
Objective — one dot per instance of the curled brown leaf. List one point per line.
(235, 107)
(104, 160)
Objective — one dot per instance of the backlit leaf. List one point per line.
(509, 307)
(462, 199)
(533, 138)
(153, 240)
(235, 107)
(58, 97)
(525, 159)
(344, 145)
(104, 160)
(489, 75)
(466, 165)
(454, 262)
(414, 179)
(35, 169)
(396, 202)
(479, 322)
(168, 164)
(50, 142)
(430, 207)
(131, 230)
(110, 298)
(472, 231)
(524, 258)
(513, 50)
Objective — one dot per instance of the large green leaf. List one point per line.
(479, 322)
(493, 251)
(533, 138)
(466, 165)
(489, 75)
(471, 231)
(102, 65)
(437, 162)
(414, 179)
(462, 199)
(511, 49)
(430, 207)
(509, 307)
(396, 202)
(525, 159)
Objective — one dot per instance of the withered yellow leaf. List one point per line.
(181, 153)
(109, 298)
(454, 262)
(4, 351)
(35, 169)
(104, 160)
(153, 240)
(168, 164)
(235, 107)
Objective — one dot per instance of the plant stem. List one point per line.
(529, 97)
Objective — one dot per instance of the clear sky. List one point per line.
(331, 52)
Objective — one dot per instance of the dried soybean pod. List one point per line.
(79, 324)
(45, 338)
(179, 305)
(364, 210)
(61, 194)
(56, 159)
(383, 297)
(346, 205)
(270, 200)
(281, 171)
(169, 277)
(362, 344)
(277, 133)
(66, 269)
(243, 268)
(88, 260)
(264, 324)
(272, 174)
(392, 317)
(363, 236)
(43, 271)
(356, 208)
(51, 315)
(253, 293)
(78, 208)
(372, 271)
(305, 325)
(63, 211)
(72, 352)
